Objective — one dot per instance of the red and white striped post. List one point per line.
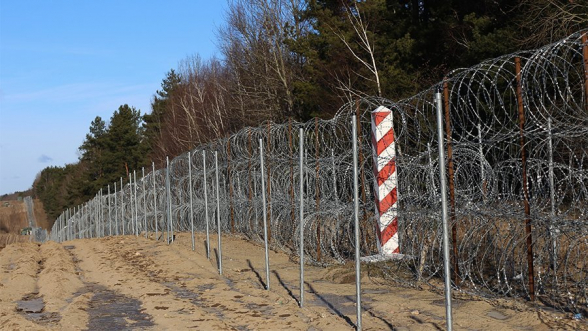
(385, 181)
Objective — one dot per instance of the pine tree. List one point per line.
(125, 147)
(92, 154)
(159, 105)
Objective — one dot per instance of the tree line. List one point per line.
(300, 59)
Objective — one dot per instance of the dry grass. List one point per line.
(13, 217)
(10, 238)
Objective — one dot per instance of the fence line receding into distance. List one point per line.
(516, 136)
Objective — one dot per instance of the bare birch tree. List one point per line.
(366, 54)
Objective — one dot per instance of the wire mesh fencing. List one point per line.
(516, 131)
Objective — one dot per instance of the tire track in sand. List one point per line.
(104, 264)
(190, 277)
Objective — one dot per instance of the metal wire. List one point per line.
(488, 200)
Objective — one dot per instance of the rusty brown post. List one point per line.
(451, 174)
(364, 225)
(317, 185)
(230, 186)
(269, 184)
(524, 175)
(585, 55)
(249, 177)
(292, 211)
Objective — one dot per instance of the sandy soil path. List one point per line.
(130, 283)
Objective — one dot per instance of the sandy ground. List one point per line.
(130, 283)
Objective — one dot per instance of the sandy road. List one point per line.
(135, 283)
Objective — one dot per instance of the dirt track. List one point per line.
(136, 283)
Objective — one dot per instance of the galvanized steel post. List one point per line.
(155, 220)
(191, 201)
(169, 204)
(144, 202)
(218, 220)
(265, 239)
(301, 225)
(136, 205)
(446, 257)
(552, 228)
(206, 205)
(356, 225)
(109, 213)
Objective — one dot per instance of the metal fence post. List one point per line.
(301, 253)
(451, 173)
(356, 225)
(109, 214)
(191, 202)
(218, 219)
(122, 206)
(169, 203)
(552, 228)
(528, 229)
(136, 205)
(131, 209)
(206, 205)
(115, 211)
(155, 220)
(446, 257)
(144, 202)
(265, 239)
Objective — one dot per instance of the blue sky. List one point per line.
(62, 63)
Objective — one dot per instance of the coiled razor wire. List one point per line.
(488, 213)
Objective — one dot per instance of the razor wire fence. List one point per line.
(37, 234)
(516, 144)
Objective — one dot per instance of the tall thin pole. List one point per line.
(585, 56)
(206, 204)
(130, 228)
(144, 202)
(451, 173)
(265, 239)
(230, 186)
(301, 253)
(102, 220)
(191, 202)
(317, 189)
(115, 212)
(109, 214)
(250, 189)
(122, 207)
(136, 205)
(220, 250)
(98, 212)
(155, 220)
(169, 204)
(101, 214)
(291, 152)
(446, 257)
(356, 225)
(132, 209)
(81, 222)
(269, 182)
(552, 228)
(524, 180)
(256, 223)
